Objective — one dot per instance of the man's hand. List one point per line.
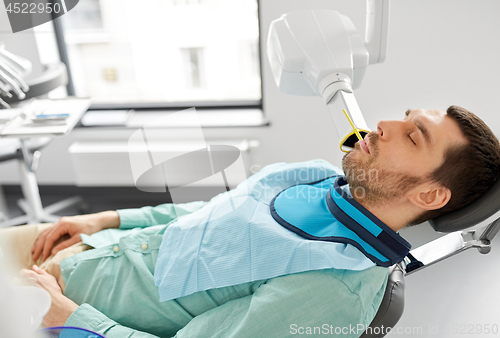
(61, 307)
(71, 228)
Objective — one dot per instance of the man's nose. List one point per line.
(388, 129)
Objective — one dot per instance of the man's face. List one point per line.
(400, 155)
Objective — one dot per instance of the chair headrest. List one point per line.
(472, 214)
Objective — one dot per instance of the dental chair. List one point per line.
(465, 228)
(319, 53)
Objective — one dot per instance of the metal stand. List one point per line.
(450, 245)
(32, 203)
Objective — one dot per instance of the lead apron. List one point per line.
(331, 215)
(200, 251)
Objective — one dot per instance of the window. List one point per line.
(86, 16)
(164, 52)
(187, 2)
(193, 67)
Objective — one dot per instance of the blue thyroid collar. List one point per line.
(332, 215)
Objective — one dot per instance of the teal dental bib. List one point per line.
(324, 213)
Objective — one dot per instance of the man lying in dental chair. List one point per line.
(292, 249)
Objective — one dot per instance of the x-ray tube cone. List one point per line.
(341, 101)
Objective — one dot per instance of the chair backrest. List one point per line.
(391, 308)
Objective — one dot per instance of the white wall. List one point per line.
(441, 52)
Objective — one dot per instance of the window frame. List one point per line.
(167, 106)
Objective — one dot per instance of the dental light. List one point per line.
(319, 53)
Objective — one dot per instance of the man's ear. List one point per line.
(431, 197)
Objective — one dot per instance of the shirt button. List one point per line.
(144, 246)
(116, 248)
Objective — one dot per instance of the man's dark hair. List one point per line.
(468, 170)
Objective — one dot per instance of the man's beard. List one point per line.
(372, 185)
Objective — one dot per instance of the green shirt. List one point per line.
(113, 283)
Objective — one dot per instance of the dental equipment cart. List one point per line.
(29, 135)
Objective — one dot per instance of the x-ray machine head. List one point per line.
(319, 52)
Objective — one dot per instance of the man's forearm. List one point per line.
(108, 219)
(160, 214)
(87, 317)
